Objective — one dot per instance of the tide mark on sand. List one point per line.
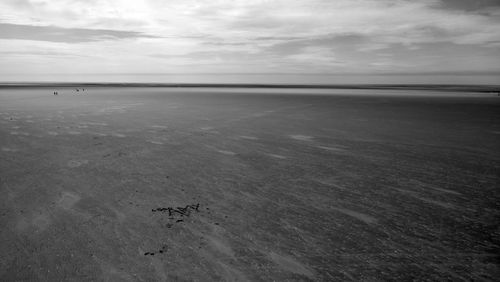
(425, 200)
(19, 133)
(93, 123)
(432, 187)
(357, 215)
(248, 137)
(291, 265)
(302, 137)
(331, 183)
(220, 246)
(225, 152)
(445, 190)
(159, 126)
(155, 142)
(232, 274)
(119, 135)
(434, 202)
(258, 114)
(118, 109)
(277, 156)
(229, 153)
(333, 149)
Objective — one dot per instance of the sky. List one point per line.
(85, 39)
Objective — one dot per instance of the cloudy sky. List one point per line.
(249, 36)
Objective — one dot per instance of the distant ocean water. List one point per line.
(258, 78)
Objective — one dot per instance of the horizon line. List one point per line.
(458, 73)
(483, 88)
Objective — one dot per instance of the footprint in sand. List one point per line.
(68, 200)
(302, 137)
(41, 221)
(77, 163)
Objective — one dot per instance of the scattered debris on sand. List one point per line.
(183, 211)
(163, 249)
(176, 215)
(172, 212)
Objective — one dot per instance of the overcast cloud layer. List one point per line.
(249, 36)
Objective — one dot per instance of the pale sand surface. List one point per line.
(290, 187)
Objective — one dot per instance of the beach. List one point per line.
(210, 184)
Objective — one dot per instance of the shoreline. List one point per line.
(425, 87)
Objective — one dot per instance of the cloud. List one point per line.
(59, 34)
(272, 35)
(40, 53)
(468, 5)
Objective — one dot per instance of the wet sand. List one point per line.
(103, 185)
